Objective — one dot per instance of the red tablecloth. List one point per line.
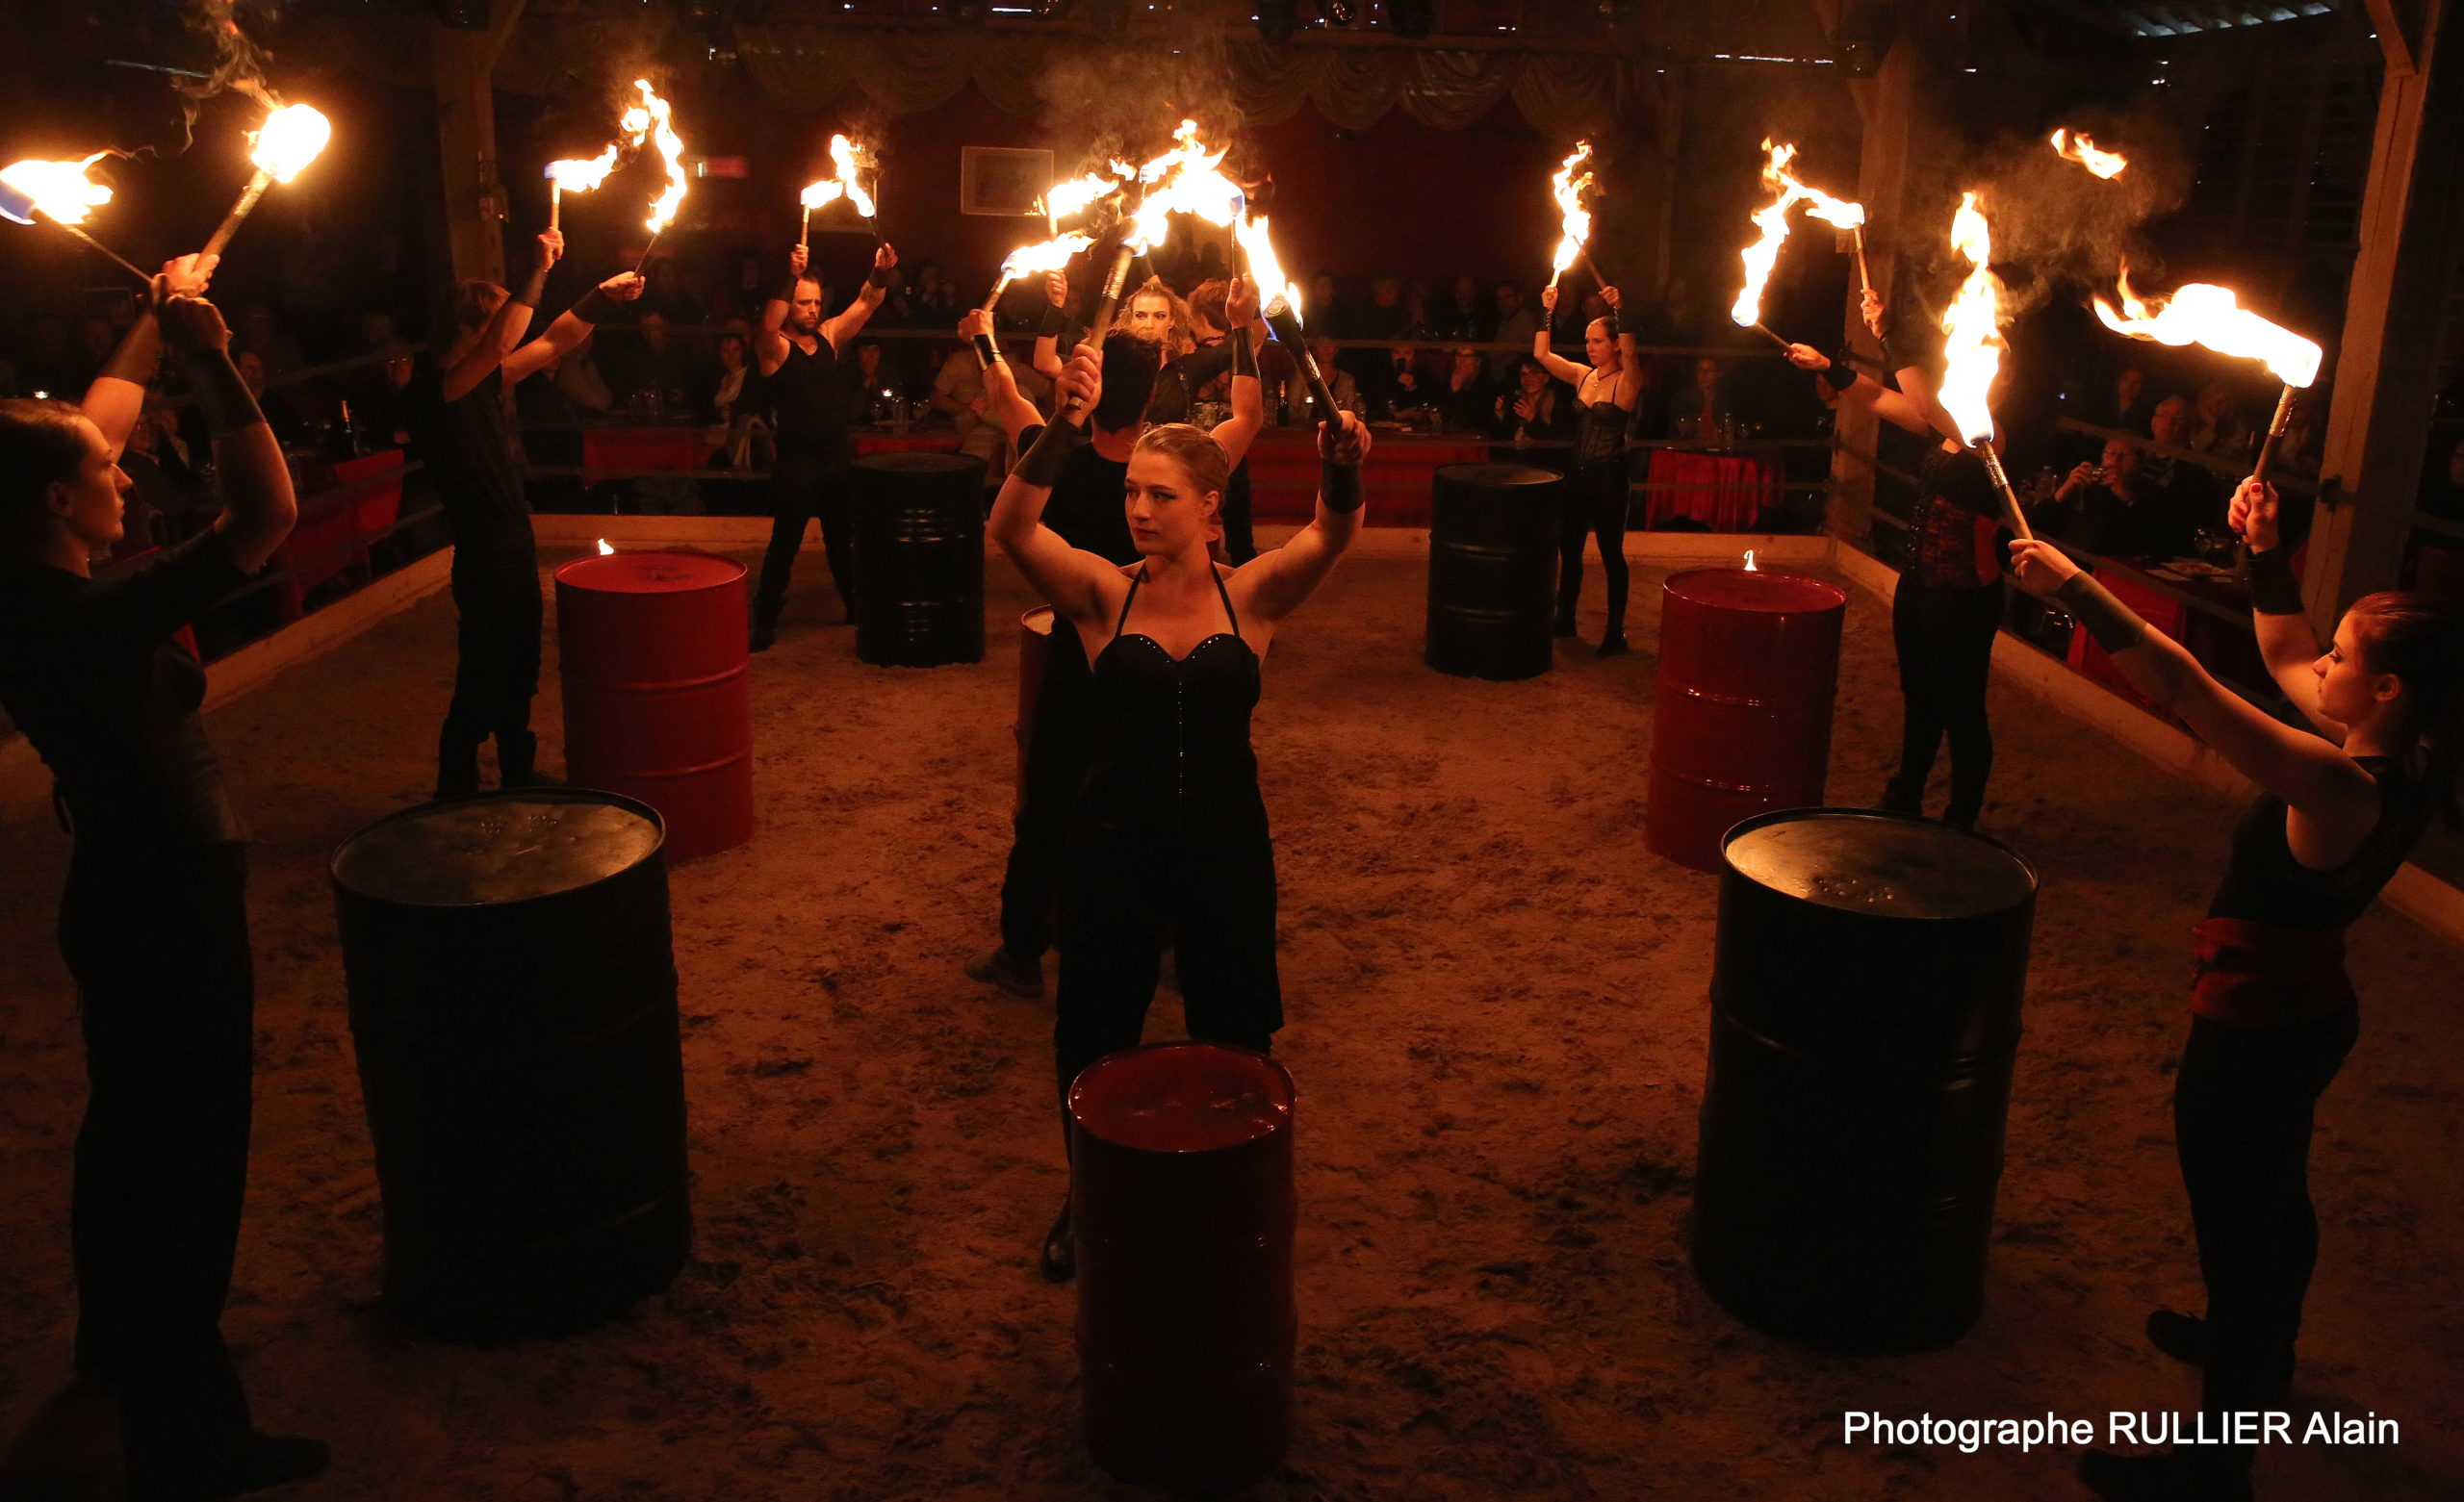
(905, 443)
(1283, 475)
(333, 530)
(1730, 494)
(603, 449)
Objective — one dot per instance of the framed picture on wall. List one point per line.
(1007, 181)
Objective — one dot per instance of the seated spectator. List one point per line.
(1462, 314)
(1340, 384)
(2217, 425)
(1467, 401)
(653, 374)
(1701, 410)
(748, 288)
(1407, 398)
(282, 415)
(261, 334)
(958, 394)
(880, 392)
(730, 402)
(169, 501)
(2443, 484)
(932, 302)
(1536, 411)
(2111, 507)
(1515, 324)
(2193, 494)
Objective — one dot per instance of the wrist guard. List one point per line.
(1339, 487)
(1041, 465)
(595, 306)
(220, 394)
(533, 287)
(1840, 374)
(881, 276)
(1050, 325)
(2108, 620)
(2273, 590)
(1244, 358)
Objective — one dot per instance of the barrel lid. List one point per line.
(496, 849)
(1497, 476)
(1756, 589)
(653, 570)
(925, 461)
(1190, 1096)
(1880, 864)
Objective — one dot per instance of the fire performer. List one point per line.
(1084, 510)
(1948, 603)
(1167, 840)
(2272, 1011)
(1605, 392)
(804, 357)
(153, 921)
(458, 429)
(1157, 318)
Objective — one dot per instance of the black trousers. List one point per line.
(803, 487)
(157, 939)
(496, 670)
(1594, 506)
(2243, 1107)
(1061, 747)
(1239, 536)
(1946, 642)
(1129, 892)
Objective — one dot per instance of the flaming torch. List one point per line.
(1972, 350)
(1281, 300)
(1568, 189)
(2210, 316)
(62, 193)
(847, 157)
(816, 195)
(651, 120)
(1773, 222)
(1051, 254)
(576, 175)
(2079, 148)
(286, 144)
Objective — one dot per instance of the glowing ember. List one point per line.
(289, 141)
(1568, 189)
(1773, 222)
(576, 175)
(2080, 149)
(2209, 315)
(852, 159)
(603, 548)
(653, 120)
(1264, 269)
(1972, 351)
(61, 189)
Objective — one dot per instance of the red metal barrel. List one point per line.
(1749, 663)
(650, 646)
(1035, 656)
(1181, 1192)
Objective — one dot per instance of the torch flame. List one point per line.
(651, 119)
(2204, 314)
(1074, 197)
(848, 157)
(2080, 149)
(1050, 255)
(577, 175)
(289, 141)
(61, 189)
(1264, 268)
(603, 548)
(1568, 189)
(1183, 179)
(1972, 351)
(825, 191)
(1773, 220)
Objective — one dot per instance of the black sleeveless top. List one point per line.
(2263, 884)
(1173, 751)
(812, 398)
(1600, 433)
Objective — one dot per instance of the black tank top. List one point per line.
(1600, 433)
(2263, 884)
(810, 397)
(1173, 751)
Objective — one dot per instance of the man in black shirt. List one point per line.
(456, 406)
(804, 359)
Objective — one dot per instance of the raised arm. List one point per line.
(769, 338)
(1002, 402)
(2331, 793)
(599, 305)
(1072, 581)
(2276, 612)
(258, 507)
(1286, 575)
(1237, 432)
(504, 331)
(1047, 352)
(117, 397)
(1555, 364)
(852, 320)
(1857, 389)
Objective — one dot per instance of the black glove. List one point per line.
(1041, 465)
(2273, 590)
(1244, 358)
(1052, 324)
(881, 276)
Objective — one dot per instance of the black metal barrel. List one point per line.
(513, 1004)
(1864, 1019)
(920, 559)
(1492, 570)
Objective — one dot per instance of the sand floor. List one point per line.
(1498, 1018)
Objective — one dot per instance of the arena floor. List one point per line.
(1498, 1018)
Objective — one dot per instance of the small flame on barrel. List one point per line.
(605, 549)
(2077, 147)
(1749, 562)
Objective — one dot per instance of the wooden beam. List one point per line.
(465, 130)
(1889, 102)
(2386, 366)
(2400, 25)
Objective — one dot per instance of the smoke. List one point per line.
(1105, 99)
(238, 62)
(2056, 225)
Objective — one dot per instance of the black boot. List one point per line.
(517, 761)
(457, 764)
(1060, 1259)
(2179, 1335)
(765, 625)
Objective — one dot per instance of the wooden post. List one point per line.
(466, 128)
(1888, 101)
(2378, 426)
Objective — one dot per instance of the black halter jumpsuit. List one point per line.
(1595, 504)
(1169, 845)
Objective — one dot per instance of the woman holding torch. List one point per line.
(1168, 841)
(2273, 1012)
(154, 919)
(458, 428)
(1605, 390)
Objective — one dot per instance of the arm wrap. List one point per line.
(2273, 590)
(1052, 323)
(1840, 374)
(1041, 465)
(1245, 358)
(882, 276)
(2108, 620)
(220, 394)
(595, 306)
(1339, 487)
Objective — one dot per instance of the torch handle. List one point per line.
(1286, 328)
(1000, 286)
(248, 197)
(105, 250)
(1111, 301)
(988, 354)
(2275, 431)
(1768, 334)
(1585, 256)
(804, 236)
(2002, 487)
(1865, 278)
(555, 203)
